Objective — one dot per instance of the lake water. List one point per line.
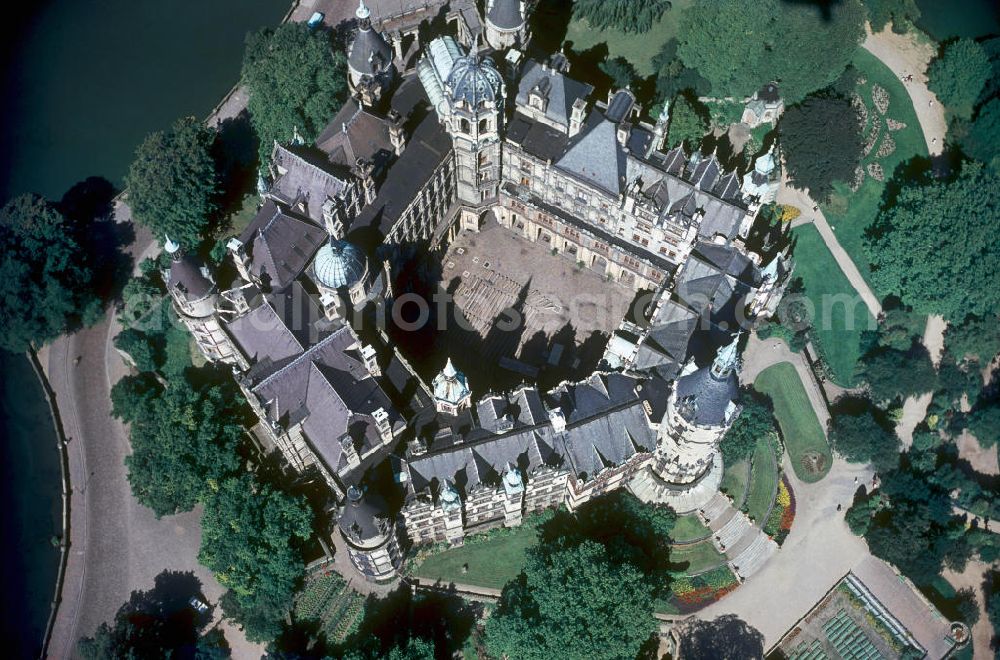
(944, 19)
(84, 81)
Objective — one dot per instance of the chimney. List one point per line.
(558, 420)
(397, 136)
(370, 358)
(381, 418)
(624, 129)
(350, 453)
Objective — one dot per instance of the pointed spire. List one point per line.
(170, 246)
(363, 14)
(725, 359)
(449, 369)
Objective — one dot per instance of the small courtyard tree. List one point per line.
(688, 123)
(958, 75)
(822, 143)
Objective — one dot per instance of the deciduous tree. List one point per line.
(822, 143)
(250, 539)
(958, 75)
(803, 45)
(572, 602)
(172, 183)
(756, 420)
(982, 140)
(46, 275)
(893, 374)
(688, 123)
(184, 440)
(859, 438)
(896, 12)
(296, 83)
(935, 247)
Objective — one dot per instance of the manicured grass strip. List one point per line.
(763, 481)
(689, 528)
(638, 49)
(698, 557)
(839, 314)
(800, 428)
(734, 481)
(491, 564)
(850, 213)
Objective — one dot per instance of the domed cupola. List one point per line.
(341, 270)
(474, 81)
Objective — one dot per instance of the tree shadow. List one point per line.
(726, 637)
(549, 22)
(236, 153)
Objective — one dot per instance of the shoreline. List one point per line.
(218, 114)
(61, 443)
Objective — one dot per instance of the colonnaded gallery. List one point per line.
(461, 137)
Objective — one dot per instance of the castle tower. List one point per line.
(700, 411)
(196, 298)
(370, 536)
(451, 390)
(475, 95)
(369, 60)
(506, 24)
(513, 489)
(451, 507)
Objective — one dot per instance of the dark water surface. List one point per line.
(83, 82)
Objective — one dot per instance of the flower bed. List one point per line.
(690, 593)
(779, 522)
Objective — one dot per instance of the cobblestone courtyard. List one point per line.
(520, 301)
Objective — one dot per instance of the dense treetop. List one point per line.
(935, 247)
(958, 76)
(572, 602)
(860, 438)
(822, 143)
(688, 123)
(626, 15)
(172, 183)
(801, 45)
(184, 439)
(47, 279)
(755, 421)
(296, 83)
(982, 137)
(250, 540)
(895, 12)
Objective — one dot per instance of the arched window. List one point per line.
(483, 125)
(464, 126)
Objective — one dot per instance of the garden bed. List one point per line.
(779, 521)
(689, 594)
(328, 601)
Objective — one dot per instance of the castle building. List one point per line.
(195, 298)
(764, 107)
(429, 146)
(370, 536)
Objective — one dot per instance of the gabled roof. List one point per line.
(560, 90)
(355, 133)
(596, 156)
(304, 180)
(281, 243)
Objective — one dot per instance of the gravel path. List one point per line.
(972, 577)
(904, 55)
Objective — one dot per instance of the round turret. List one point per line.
(339, 264)
(475, 81)
(369, 54)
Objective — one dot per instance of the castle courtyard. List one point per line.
(557, 305)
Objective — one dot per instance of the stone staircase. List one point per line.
(650, 488)
(744, 544)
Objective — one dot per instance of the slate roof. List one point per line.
(538, 139)
(560, 90)
(360, 515)
(505, 14)
(329, 390)
(304, 181)
(356, 133)
(425, 151)
(186, 276)
(280, 243)
(620, 106)
(606, 425)
(369, 54)
(704, 399)
(596, 156)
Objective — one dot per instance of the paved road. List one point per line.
(801, 199)
(763, 353)
(819, 551)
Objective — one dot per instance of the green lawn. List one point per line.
(492, 563)
(698, 557)
(850, 213)
(638, 49)
(839, 313)
(800, 428)
(734, 481)
(763, 481)
(689, 528)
